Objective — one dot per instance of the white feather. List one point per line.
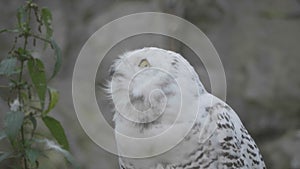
(138, 115)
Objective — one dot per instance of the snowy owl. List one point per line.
(149, 88)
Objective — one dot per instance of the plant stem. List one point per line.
(26, 34)
(20, 100)
(20, 108)
(23, 142)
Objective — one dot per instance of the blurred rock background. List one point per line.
(257, 41)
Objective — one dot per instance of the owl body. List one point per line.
(149, 88)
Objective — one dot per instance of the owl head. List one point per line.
(147, 86)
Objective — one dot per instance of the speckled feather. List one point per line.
(218, 138)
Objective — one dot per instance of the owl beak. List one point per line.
(144, 63)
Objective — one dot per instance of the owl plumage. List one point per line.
(217, 138)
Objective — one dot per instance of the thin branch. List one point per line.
(26, 34)
(9, 30)
(40, 38)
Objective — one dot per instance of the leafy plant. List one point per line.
(31, 99)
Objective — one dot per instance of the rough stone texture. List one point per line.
(258, 43)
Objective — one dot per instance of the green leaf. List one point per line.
(58, 58)
(57, 131)
(46, 18)
(3, 30)
(38, 76)
(23, 54)
(8, 66)
(32, 155)
(5, 155)
(54, 96)
(21, 15)
(13, 121)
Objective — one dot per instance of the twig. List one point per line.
(40, 38)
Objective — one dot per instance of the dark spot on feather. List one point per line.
(228, 138)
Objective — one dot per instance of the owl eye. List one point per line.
(144, 63)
